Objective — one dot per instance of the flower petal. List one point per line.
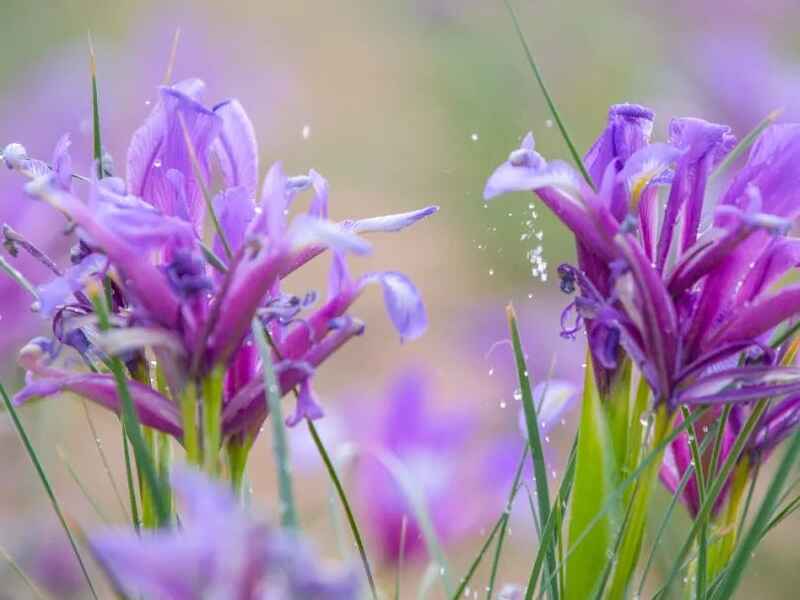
(236, 147)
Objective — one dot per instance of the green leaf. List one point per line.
(594, 484)
(534, 440)
(747, 545)
(618, 409)
(280, 446)
(337, 484)
(46, 483)
(549, 99)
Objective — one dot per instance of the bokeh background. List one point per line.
(399, 104)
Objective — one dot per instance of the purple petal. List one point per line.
(319, 206)
(307, 406)
(56, 292)
(235, 210)
(153, 408)
(396, 222)
(236, 147)
(312, 231)
(62, 163)
(403, 303)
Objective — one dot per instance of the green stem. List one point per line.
(212, 408)
(189, 418)
(631, 544)
(721, 552)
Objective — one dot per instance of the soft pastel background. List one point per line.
(403, 103)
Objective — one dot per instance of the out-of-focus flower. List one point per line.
(164, 293)
(218, 551)
(678, 301)
(432, 447)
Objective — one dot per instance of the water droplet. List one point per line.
(157, 163)
(147, 102)
(548, 123)
(491, 272)
(491, 371)
(517, 394)
(474, 137)
(503, 404)
(306, 132)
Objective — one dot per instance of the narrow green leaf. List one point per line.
(46, 484)
(549, 99)
(137, 523)
(503, 527)
(280, 446)
(702, 556)
(745, 143)
(97, 143)
(334, 477)
(130, 420)
(594, 482)
(534, 440)
(748, 543)
(713, 491)
(76, 478)
(479, 558)
(22, 575)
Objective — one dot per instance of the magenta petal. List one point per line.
(154, 409)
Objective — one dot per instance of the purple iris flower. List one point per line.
(218, 551)
(144, 235)
(684, 290)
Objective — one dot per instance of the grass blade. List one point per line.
(747, 545)
(97, 143)
(504, 526)
(46, 483)
(549, 99)
(534, 440)
(76, 478)
(137, 523)
(130, 420)
(345, 505)
(37, 593)
(280, 446)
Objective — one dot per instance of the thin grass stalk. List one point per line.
(46, 484)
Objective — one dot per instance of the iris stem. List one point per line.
(189, 418)
(212, 406)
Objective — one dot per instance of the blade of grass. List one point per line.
(548, 98)
(97, 144)
(714, 491)
(173, 52)
(22, 575)
(280, 446)
(745, 143)
(137, 523)
(620, 489)
(697, 459)
(334, 477)
(667, 516)
(130, 420)
(506, 514)
(747, 545)
(74, 474)
(534, 441)
(103, 458)
(46, 483)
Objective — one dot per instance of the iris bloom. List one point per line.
(218, 552)
(143, 235)
(683, 291)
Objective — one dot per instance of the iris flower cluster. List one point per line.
(689, 288)
(181, 311)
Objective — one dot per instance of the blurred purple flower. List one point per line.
(218, 551)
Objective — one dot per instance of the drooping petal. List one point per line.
(62, 163)
(403, 303)
(782, 255)
(740, 384)
(236, 147)
(759, 317)
(311, 231)
(154, 409)
(319, 206)
(307, 406)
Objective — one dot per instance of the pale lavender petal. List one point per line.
(307, 406)
(236, 147)
(235, 210)
(319, 206)
(396, 222)
(56, 292)
(403, 303)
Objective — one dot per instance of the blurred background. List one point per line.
(399, 104)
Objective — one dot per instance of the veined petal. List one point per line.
(782, 255)
(396, 222)
(154, 409)
(236, 147)
(403, 303)
(758, 317)
(235, 210)
(644, 166)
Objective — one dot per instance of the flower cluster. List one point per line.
(188, 304)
